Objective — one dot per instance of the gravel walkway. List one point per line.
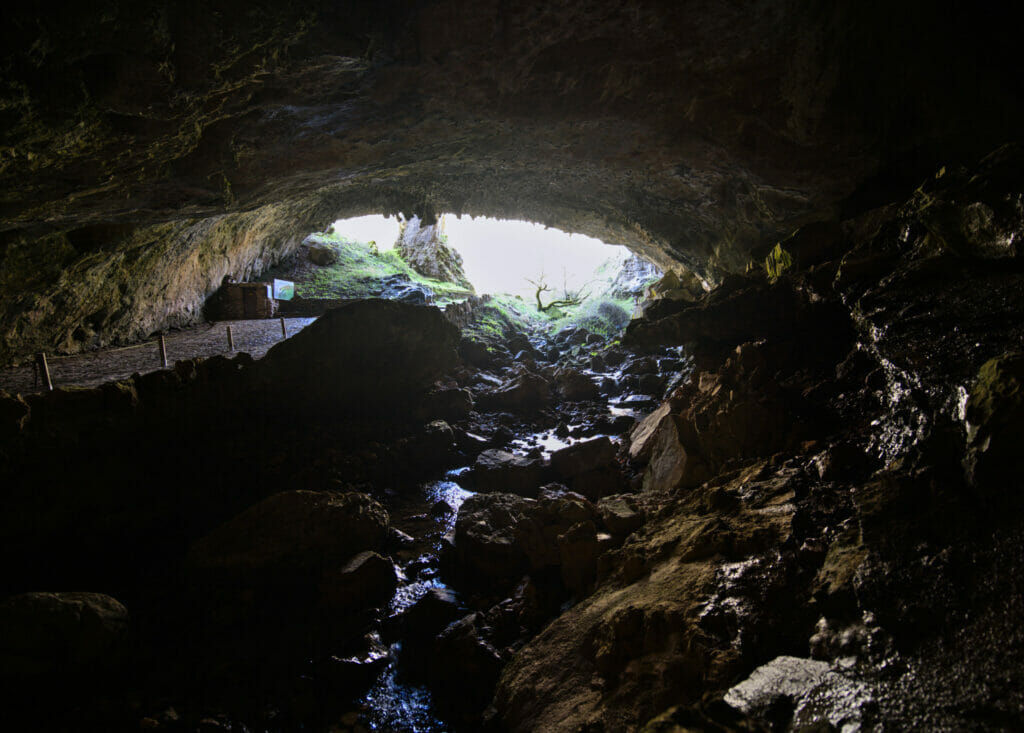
(105, 365)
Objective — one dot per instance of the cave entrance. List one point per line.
(530, 277)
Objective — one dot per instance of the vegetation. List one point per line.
(777, 262)
(503, 316)
(358, 272)
(567, 299)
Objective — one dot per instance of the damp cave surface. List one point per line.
(758, 468)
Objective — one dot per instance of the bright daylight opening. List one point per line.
(504, 256)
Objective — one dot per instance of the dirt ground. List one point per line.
(105, 365)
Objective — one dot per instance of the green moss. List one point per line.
(359, 269)
(777, 262)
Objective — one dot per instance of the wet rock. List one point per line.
(525, 393)
(995, 423)
(399, 287)
(465, 668)
(614, 356)
(447, 404)
(42, 633)
(292, 531)
(361, 356)
(437, 608)
(485, 546)
(578, 549)
(587, 455)
(588, 467)
(574, 385)
(802, 693)
(653, 384)
(428, 448)
(353, 673)
(620, 514)
(368, 580)
(555, 513)
(497, 471)
(641, 365)
(738, 411)
(476, 352)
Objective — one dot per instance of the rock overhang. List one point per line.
(691, 132)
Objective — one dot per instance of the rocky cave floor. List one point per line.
(814, 525)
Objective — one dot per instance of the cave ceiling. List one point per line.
(692, 131)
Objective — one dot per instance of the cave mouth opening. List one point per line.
(501, 256)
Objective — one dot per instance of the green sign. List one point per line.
(284, 290)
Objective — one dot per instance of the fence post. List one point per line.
(44, 370)
(163, 352)
(231, 340)
(284, 331)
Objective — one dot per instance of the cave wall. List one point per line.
(692, 131)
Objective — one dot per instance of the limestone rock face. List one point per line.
(422, 246)
(693, 132)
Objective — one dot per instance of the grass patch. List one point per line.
(359, 269)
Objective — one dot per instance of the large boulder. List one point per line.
(361, 356)
(582, 457)
(574, 385)
(525, 393)
(588, 467)
(292, 532)
(43, 633)
(322, 254)
(497, 471)
(738, 411)
(368, 580)
(486, 549)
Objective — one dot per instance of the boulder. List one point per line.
(368, 580)
(475, 352)
(294, 531)
(620, 514)
(497, 471)
(642, 437)
(322, 254)
(578, 549)
(525, 393)
(43, 633)
(401, 288)
(588, 467)
(428, 616)
(574, 385)
(556, 511)
(464, 670)
(361, 356)
(579, 458)
(485, 546)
